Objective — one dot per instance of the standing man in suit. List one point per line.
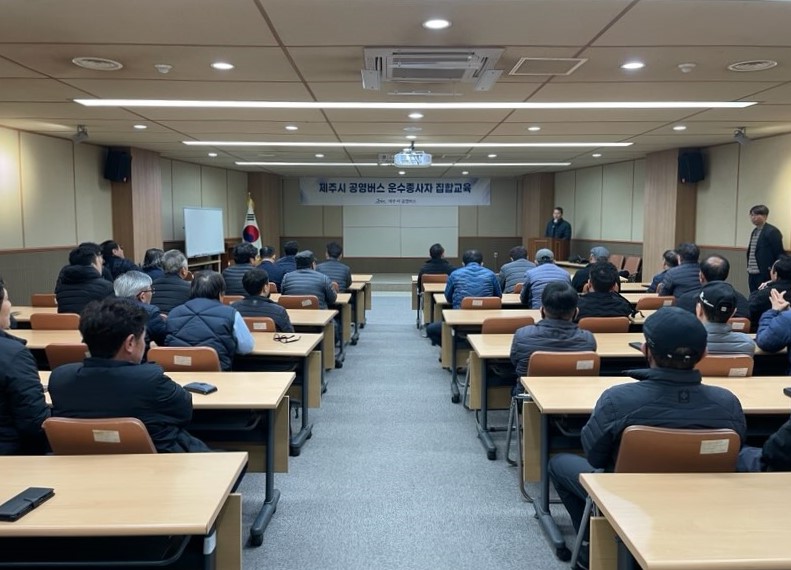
(766, 245)
(558, 228)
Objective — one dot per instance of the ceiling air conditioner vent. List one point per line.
(429, 65)
(547, 65)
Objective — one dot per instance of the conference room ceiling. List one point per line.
(313, 51)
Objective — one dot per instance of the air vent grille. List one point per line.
(547, 66)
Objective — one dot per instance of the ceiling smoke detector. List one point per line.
(686, 67)
(753, 65)
(163, 67)
(97, 63)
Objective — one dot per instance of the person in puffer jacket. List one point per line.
(669, 394)
(81, 281)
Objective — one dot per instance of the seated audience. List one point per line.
(472, 280)
(716, 304)
(114, 259)
(244, 256)
(685, 277)
(205, 321)
(173, 288)
(775, 455)
(759, 301)
(305, 280)
(555, 332)
(580, 278)
(81, 281)
(112, 383)
(268, 258)
(435, 265)
(22, 405)
(152, 263)
(105, 271)
(669, 259)
(136, 286)
(536, 279)
(670, 395)
(603, 299)
(288, 262)
(513, 272)
(257, 302)
(713, 268)
(774, 328)
(338, 272)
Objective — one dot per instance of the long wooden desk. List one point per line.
(562, 395)
(128, 496)
(318, 321)
(694, 520)
(262, 392)
(361, 287)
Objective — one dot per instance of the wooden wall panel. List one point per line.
(147, 200)
(268, 193)
(10, 191)
(538, 199)
(166, 169)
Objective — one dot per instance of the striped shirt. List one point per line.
(752, 263)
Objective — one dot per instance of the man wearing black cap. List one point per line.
(670, 395)
(716, 304)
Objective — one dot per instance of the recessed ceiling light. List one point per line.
(415, 115)
(212, 154)
(465, 172)
(222, 65)
(680, 128)
(292, 128)
(492, 156)
(596, 155)
(402, 172)
(534, 129)
(319, 155)
(633, 65)
(411, 137)
(436, 24)
(141, 127)
(97, 63)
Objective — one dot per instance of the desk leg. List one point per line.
(625, 559)
(360, 307)
(299, 438)
(455, 397)
(210, 550)
(417, 304)
(545, 519)
(428, 308)
(272, 495)
(483, 428)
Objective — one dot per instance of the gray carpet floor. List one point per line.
(394, 476)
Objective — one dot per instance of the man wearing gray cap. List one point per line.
(670, 395)
(538, 277)
(582, 276)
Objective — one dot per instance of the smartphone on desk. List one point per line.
(637, 344)
(200, 387)
(18, 506)
(787, 391)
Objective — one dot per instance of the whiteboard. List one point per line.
(203, 231)
(399, 231)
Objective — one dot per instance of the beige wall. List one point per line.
(52, 191)
(185, 184)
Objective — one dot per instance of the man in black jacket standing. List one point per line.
(766, 245)
(557, 227)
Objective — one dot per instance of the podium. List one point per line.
(560, 247)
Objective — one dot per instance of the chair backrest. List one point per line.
(739, 324)
(646, 449)
(605, 324)
(176, 358)
(481, 303)
(632, 264)
(59, 354)
(70, 436)
(434, 278)
(298, 301)
(583, 363)
(653, 302)
(736, 365)
(228, 299)
(518, 287)
(617, 260)
(43, 300)
(55, 321)
(505, 325)
(260, 324)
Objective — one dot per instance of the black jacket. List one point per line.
(22, 404)
(776, 453)
(609, 304)
(79, 285)
(681, 279)
(102, 388)
(561, 230)
(689, 300)
(768, 249)
(338, 272)
(760, 302)
(119, 266)
(258, 306)
(156, 327)
(581, 277)
(274, 271)
(233, 278)
(170, 291)
(664, 398)
(434, 267)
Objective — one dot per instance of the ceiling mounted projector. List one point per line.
(411, 158)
